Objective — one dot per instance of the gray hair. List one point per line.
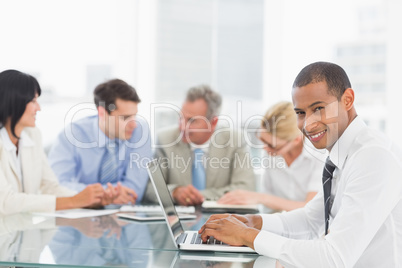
(212, 98)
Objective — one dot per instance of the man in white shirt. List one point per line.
(365, 207)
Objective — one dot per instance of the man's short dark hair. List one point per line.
(336, 78)
(17, 89)
(105, 94)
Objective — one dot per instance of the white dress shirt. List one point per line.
(365, 228)
(204, 147)
(294, 182)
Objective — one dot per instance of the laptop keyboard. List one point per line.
(196, 239)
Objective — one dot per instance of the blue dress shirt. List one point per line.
(76, 155)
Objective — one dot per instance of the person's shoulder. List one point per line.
(224, 135)
(82, 130)
(168, 134)
(375, 145)
(33, 136)
(85, 125)
(85, 122)
(371, 138)
(373, 155)
(33, 133)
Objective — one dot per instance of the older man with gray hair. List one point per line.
(198, 159)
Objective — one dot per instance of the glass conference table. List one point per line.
(28, 240)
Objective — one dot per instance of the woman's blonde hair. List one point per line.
(280, 120)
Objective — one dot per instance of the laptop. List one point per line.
(183, 240)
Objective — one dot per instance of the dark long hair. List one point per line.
(17, 89)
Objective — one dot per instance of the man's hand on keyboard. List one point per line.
(230, 229)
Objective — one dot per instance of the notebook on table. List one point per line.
(151, 216)
(155, 208)
(211, 206)
(183, 240)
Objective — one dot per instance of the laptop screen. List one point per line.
(165, 199)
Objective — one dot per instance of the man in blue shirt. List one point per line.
(110, 148)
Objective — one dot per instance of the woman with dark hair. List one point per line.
(27, 183)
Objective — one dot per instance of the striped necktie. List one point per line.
(198, 171)
(109, 164)
(326, 184)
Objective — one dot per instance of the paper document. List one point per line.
(214, 206)
(152, 216)
(77, 213)
(155, 208)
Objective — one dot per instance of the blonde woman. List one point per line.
(294, 176)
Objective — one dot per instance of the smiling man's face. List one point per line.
(320, 115)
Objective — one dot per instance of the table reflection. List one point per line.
(106, 241)
(23, 237)
(223, 260)
(99, 241)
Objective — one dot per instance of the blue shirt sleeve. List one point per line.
(138, 154)
(63, 159)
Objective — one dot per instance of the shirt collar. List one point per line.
(339, 151)
(203, 146)
(8, 145)
(103, 138)
(25, 140)
(305, 154)
(309, 151)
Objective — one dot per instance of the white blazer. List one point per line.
(40, 183)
